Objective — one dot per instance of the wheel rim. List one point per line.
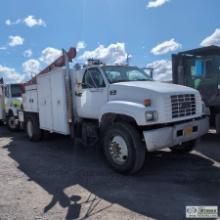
(30, 129)
(118, 150)
(11, 122)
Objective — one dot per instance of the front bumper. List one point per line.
(173, 135)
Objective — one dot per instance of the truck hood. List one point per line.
(157, 87)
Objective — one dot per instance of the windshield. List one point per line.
(16, 90)
(116, 74)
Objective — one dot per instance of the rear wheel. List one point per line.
(184, 148)
(11, 123)
(123, 148)
(33, 129)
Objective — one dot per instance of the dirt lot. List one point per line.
(56, 180)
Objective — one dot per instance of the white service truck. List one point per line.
(10, 105)
(120, 105)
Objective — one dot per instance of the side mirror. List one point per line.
(149, 72)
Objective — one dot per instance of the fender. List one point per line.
(131, 109)
(13, 110)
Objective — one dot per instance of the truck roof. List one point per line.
(203, 51)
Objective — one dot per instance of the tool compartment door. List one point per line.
(45, 102)
(30, 99)
(59, 105)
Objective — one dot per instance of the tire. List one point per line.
(217, 123)
(184, 148)
(123, 148)
(33, 130)
(12, 126)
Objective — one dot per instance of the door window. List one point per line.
(93, 79)
(209, 69)
(16, 90)
(7, 94)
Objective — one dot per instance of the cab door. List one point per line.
(93, 95)
(209, 84)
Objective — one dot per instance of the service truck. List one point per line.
(10, 104)
(118, 105)
(200, 69)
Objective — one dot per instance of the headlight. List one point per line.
(151, 116)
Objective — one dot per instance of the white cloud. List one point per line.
(213, 39)
(31, 67)
(8, 22)
(3, 48)
(113, 54)
(49, 54)
(10, 75)
(156, 3)
(30, 21)
(81, 45)
(166, 47)
(15, 41)
(162, 70)
(28, 53)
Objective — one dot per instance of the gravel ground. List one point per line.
(55, 180)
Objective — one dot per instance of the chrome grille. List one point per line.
(183, 105)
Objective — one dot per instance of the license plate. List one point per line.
(187, 131)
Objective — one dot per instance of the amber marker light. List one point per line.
(147, 102)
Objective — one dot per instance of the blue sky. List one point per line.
(150, 34)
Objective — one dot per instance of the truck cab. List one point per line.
(12, 105)
(200, 69)
(120, 107)
(128, 90)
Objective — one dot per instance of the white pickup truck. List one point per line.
(119, 105)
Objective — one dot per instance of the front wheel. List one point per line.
(184, 148)
(33, 129)
(11, 123)
(123, 148)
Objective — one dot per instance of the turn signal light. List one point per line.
(147, 102)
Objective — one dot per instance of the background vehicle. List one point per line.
(1, 101)
(119, 105)
(10, 104)
(200, 69)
